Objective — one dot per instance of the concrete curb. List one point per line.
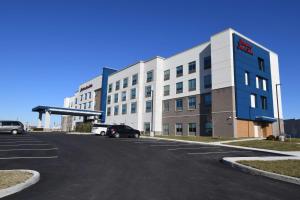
(21, 186)
(232, 161)
(79, 133)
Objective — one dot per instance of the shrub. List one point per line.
(271, 137)
(84, 127)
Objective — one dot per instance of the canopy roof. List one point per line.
(66, 111)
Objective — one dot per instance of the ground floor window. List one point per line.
(166, 130)
(147, 127)
(178, 129)
(192, 128)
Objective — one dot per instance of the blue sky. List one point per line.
(47, 48)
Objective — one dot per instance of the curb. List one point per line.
(232, 162)
(21, 186)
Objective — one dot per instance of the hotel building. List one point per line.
(226, 87)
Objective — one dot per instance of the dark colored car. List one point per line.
(13, 127)
(117, 131)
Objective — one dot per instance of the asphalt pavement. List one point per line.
(94, 167)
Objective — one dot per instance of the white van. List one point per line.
(99, 129)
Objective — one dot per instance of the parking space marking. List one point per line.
(5, 150)
(171, 145)
(13, 158)
(214, 152)
(155, 142)
(191, 148)
(16, 142)
(17, 145)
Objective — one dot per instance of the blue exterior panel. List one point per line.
(246, 60)
(105, 74)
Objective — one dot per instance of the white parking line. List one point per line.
(155, 142)
(191, 148)
(214, 152)
(16, 142)
(28, 149)
(171, 145)
(12, 158)
(17, 145)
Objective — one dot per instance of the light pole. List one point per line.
(278, 116)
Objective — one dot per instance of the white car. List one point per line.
(99, 129)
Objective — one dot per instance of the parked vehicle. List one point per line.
(13, 127)
(117, 131)
(99, 129)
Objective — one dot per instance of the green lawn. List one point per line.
(293, 145)
(284, 167)
(196, 138)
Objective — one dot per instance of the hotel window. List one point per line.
(179, 71)
(108, 111)
(179, 87)
(124, 96)
(192, 128)
(178, 129)
(116, 98)
(81, 96)
(117, 85)
(167, 75)
(75, 100)
(192, 102)
(124, 109)
(110, 88)
(179, 104)
(207, 99)
(263, 102)
(85, 96)
(133, 93)
(90, 104)
(253, 100)
(257, 82)
(133, 107)
(116, 110)
(261, 64)
(207, 81)
(134, 79)
(192, 85)
(246, 78)
(264, 84)
(125, 82)
(149, 76)
(166, 90)
(147, 127)
(108, 99)
(166, 129)
(166, 106)
(90, 95)
(208, 128)
(148, 106)
(84, 106)
(192, 67)
(148, 91)
(79, 106)
(207, 62)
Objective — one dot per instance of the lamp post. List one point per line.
(278, 116)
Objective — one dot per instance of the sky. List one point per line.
(48, 48)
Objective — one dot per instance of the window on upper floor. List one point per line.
(179, 87)
(166, 106)
(133, 107)
(167, 75)
(90, 95)
(133, 93)
(116, 98)
(148, 106)
(261, 64)
(148, 91)
(75, 100)
(166, 90)
(264, 102)
(108, 99)
(85, 96)
(192, 85)
(265, 84)
(108, 111)
(207, 62)
(117, 85)
(207, 99)
(149, 76)
(124, 109)
(253, 100)
(134, 79)
(116, 110)
(246, 78)
(179, 71)
(110, 86)
(125, 82)
(81, 96)
(257, 82)
(179, 105)
(124, 96)
(207, 81)
(192, 67)
(192, 102)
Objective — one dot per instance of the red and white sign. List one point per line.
(244, 46)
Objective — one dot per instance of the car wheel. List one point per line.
(116, 135)
(14, 132)
(102, 133)
(136, 135)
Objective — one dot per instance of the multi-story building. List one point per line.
(225, 87)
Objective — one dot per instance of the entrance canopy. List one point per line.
(66, 111)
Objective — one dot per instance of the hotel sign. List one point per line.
(86, 87)
(244, 46)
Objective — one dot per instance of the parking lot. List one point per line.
(94, 167)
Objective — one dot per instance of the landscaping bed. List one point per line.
(11, 178)
(197, 138)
